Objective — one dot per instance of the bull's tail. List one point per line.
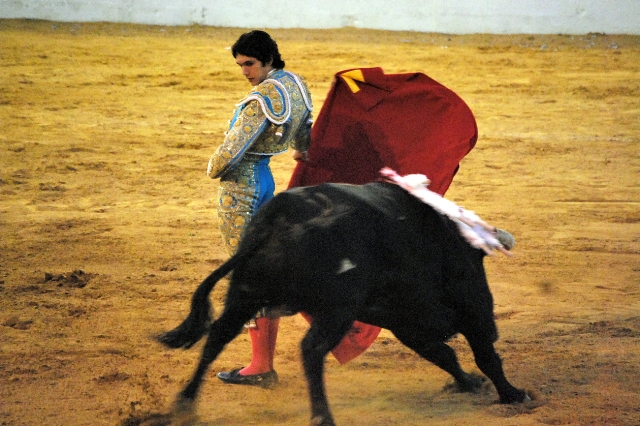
(198, 321)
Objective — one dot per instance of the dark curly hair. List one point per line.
(258, 44)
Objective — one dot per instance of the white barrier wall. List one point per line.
(442, 16)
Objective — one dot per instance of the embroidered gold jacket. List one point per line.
(276, 115)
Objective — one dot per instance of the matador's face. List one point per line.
(253, 69)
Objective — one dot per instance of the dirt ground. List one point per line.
(108, 223)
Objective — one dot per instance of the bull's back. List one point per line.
(370, 245)
(422, 266)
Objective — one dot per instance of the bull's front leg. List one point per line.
(441, 355)
(445, 357)
(489, 362)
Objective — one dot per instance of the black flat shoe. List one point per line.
(264, 380)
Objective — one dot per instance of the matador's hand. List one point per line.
(300, 155)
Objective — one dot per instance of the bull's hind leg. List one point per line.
(222, 331)
(490, 364)
(319, 340)
(444, 357)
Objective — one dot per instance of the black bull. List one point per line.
(342, 253)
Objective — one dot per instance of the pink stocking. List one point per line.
(262, 346)
(273, 337)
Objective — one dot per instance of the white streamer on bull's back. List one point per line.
(476, 231)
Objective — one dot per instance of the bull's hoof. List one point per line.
(322, 421)
(517, 396)
(184, 411)
(472, 384)
(149, 419)
(176, 338)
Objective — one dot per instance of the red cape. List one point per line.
(370, 120)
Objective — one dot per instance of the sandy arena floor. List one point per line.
(105, 133)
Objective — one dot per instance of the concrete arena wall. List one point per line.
(442, 16)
